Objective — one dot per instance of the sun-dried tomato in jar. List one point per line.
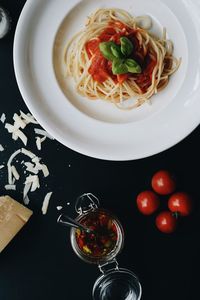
(103, 236)
(103, 241)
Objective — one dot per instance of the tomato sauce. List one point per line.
(101, 68)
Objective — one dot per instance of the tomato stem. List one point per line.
(176, 214)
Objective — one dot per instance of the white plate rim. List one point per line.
(27, 97)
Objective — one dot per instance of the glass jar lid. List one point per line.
(118, 284)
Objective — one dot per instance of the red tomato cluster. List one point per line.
(179, 203)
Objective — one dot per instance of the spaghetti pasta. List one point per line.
(93, 73)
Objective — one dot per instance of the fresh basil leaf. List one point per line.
(133, 66)
(118, 66)
(126, 46)
(116, 50)
(105, 48)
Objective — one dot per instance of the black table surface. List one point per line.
(40, 264)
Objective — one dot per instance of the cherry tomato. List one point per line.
(163, 182)
(147, 202)
(180, 203)
(166, 222)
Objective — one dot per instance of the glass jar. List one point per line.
(105, 243)
(100, 245)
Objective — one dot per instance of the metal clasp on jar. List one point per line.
(110, 265)
(86, 202)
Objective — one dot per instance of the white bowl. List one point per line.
(97, 128)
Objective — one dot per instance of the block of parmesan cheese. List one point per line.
(13, 216)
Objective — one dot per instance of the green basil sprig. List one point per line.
(133, 66)
(123, 66)
(119, 66)
(126, 46)
(119, 54)
(110, 50)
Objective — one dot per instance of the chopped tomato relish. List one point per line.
(101, 68)
(103, 237)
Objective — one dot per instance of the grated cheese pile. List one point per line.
(34, 169)
(20, 122)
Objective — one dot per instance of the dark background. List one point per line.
(39, 262)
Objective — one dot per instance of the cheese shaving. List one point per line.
(28, 153)
(43, 139)
(46, 203)
(45, 170)
(43, 132)
(22, 136)
(3, 118)
(1, 167)
(59, 207)
(1, 148)
(28, 118)
(14, 136)
(26, 190)
(10, 187)
(35, 184)
(18, 122)
(38, 143)
(34, 180)
(16, 132)
(36, 159)
(15, 173)
(30, 168)
(10, 128)
(26, 200)
(9, 165)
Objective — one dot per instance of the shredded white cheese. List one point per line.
(43, 139)
(30, 168)
(9, 165)
(16, 132)
(34, 167)
(26, 200)
(22, 136)
(38, 143)
(26, 189)
(10, 187)
(14, 136)
(36, 159)
(28, 153)
(45, 170)
(15, 173)
(3, 118)
(35, 184)
(34, 180)
(10, 128)
(28, 118)
(46, 203)
(59, 207)
(18, 122)
(43, 132)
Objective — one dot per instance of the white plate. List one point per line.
(96, 128)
